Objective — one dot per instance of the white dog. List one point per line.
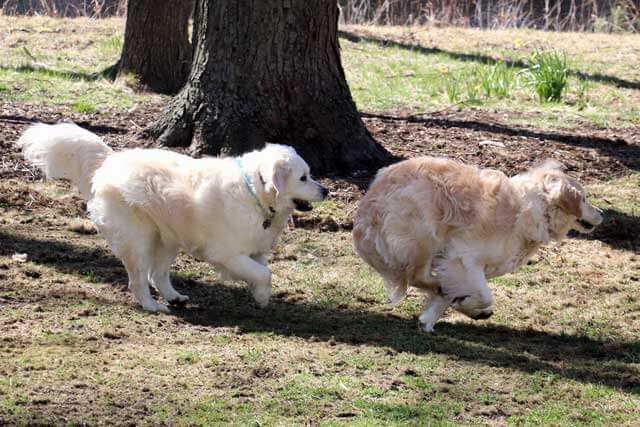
(149, 203)
(445, 227)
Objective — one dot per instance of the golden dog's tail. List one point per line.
(65, 151)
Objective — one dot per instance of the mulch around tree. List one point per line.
(476, 137)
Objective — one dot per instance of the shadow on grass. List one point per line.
(483, 59)
(101, 129)
(618, 230)
(50, 72)
(627, 154)
(578, 358)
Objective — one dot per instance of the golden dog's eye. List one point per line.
(303, 178)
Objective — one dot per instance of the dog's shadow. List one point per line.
(619, 230)
(578, 358)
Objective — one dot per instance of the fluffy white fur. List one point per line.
(445, 228)
(149, 203)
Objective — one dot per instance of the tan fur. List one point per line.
(443, 226)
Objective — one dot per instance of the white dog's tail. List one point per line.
(65, 151)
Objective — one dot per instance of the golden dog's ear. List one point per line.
(563, 194)
(571, 201)
(550, 164)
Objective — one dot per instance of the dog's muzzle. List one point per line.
(483, 315)
(302, 205)
(586, 224)
(305, 206)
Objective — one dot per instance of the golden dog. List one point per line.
(445, 227)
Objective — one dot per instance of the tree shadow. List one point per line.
(483, 59)
(627, 154)
(101, 129)
(574, 357)
(618, 230)
(63, 74)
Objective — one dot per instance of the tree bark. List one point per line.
(156, 44)
(269, 71)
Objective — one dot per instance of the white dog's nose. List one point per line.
(325, 192)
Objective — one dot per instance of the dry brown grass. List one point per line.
(562, 348)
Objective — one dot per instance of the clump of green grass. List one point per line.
(583, 90)
(187, 357)
(112, 45)
(84, 107)
(452, 87)
(498, 81)
(479, 83)
(547, 74)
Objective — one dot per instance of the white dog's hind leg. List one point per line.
(435, 307)
(131, 239)
(139, 285)
(257, 275)
(159, 275)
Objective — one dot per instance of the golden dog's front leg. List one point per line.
(435, 307)
(463, 286)
(464, 283)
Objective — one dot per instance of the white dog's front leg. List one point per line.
(257, 275)
(261, 258)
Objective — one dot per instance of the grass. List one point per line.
(479, 84)
(433, 69)
(327, 351)
(547, 74)
(562, 348)
(84, 107)
(55, 60)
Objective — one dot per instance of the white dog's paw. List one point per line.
(261, 295)
(428, 328)
(224, 275)
(155, 307)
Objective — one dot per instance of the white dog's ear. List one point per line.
(280, 176)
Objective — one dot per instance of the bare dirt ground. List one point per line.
(477, 137)
(589, 153)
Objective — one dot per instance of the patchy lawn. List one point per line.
(418, 70)
(562, 349)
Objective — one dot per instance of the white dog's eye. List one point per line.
(303, 178)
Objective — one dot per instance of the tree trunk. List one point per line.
(156, 44)
(269, 71)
